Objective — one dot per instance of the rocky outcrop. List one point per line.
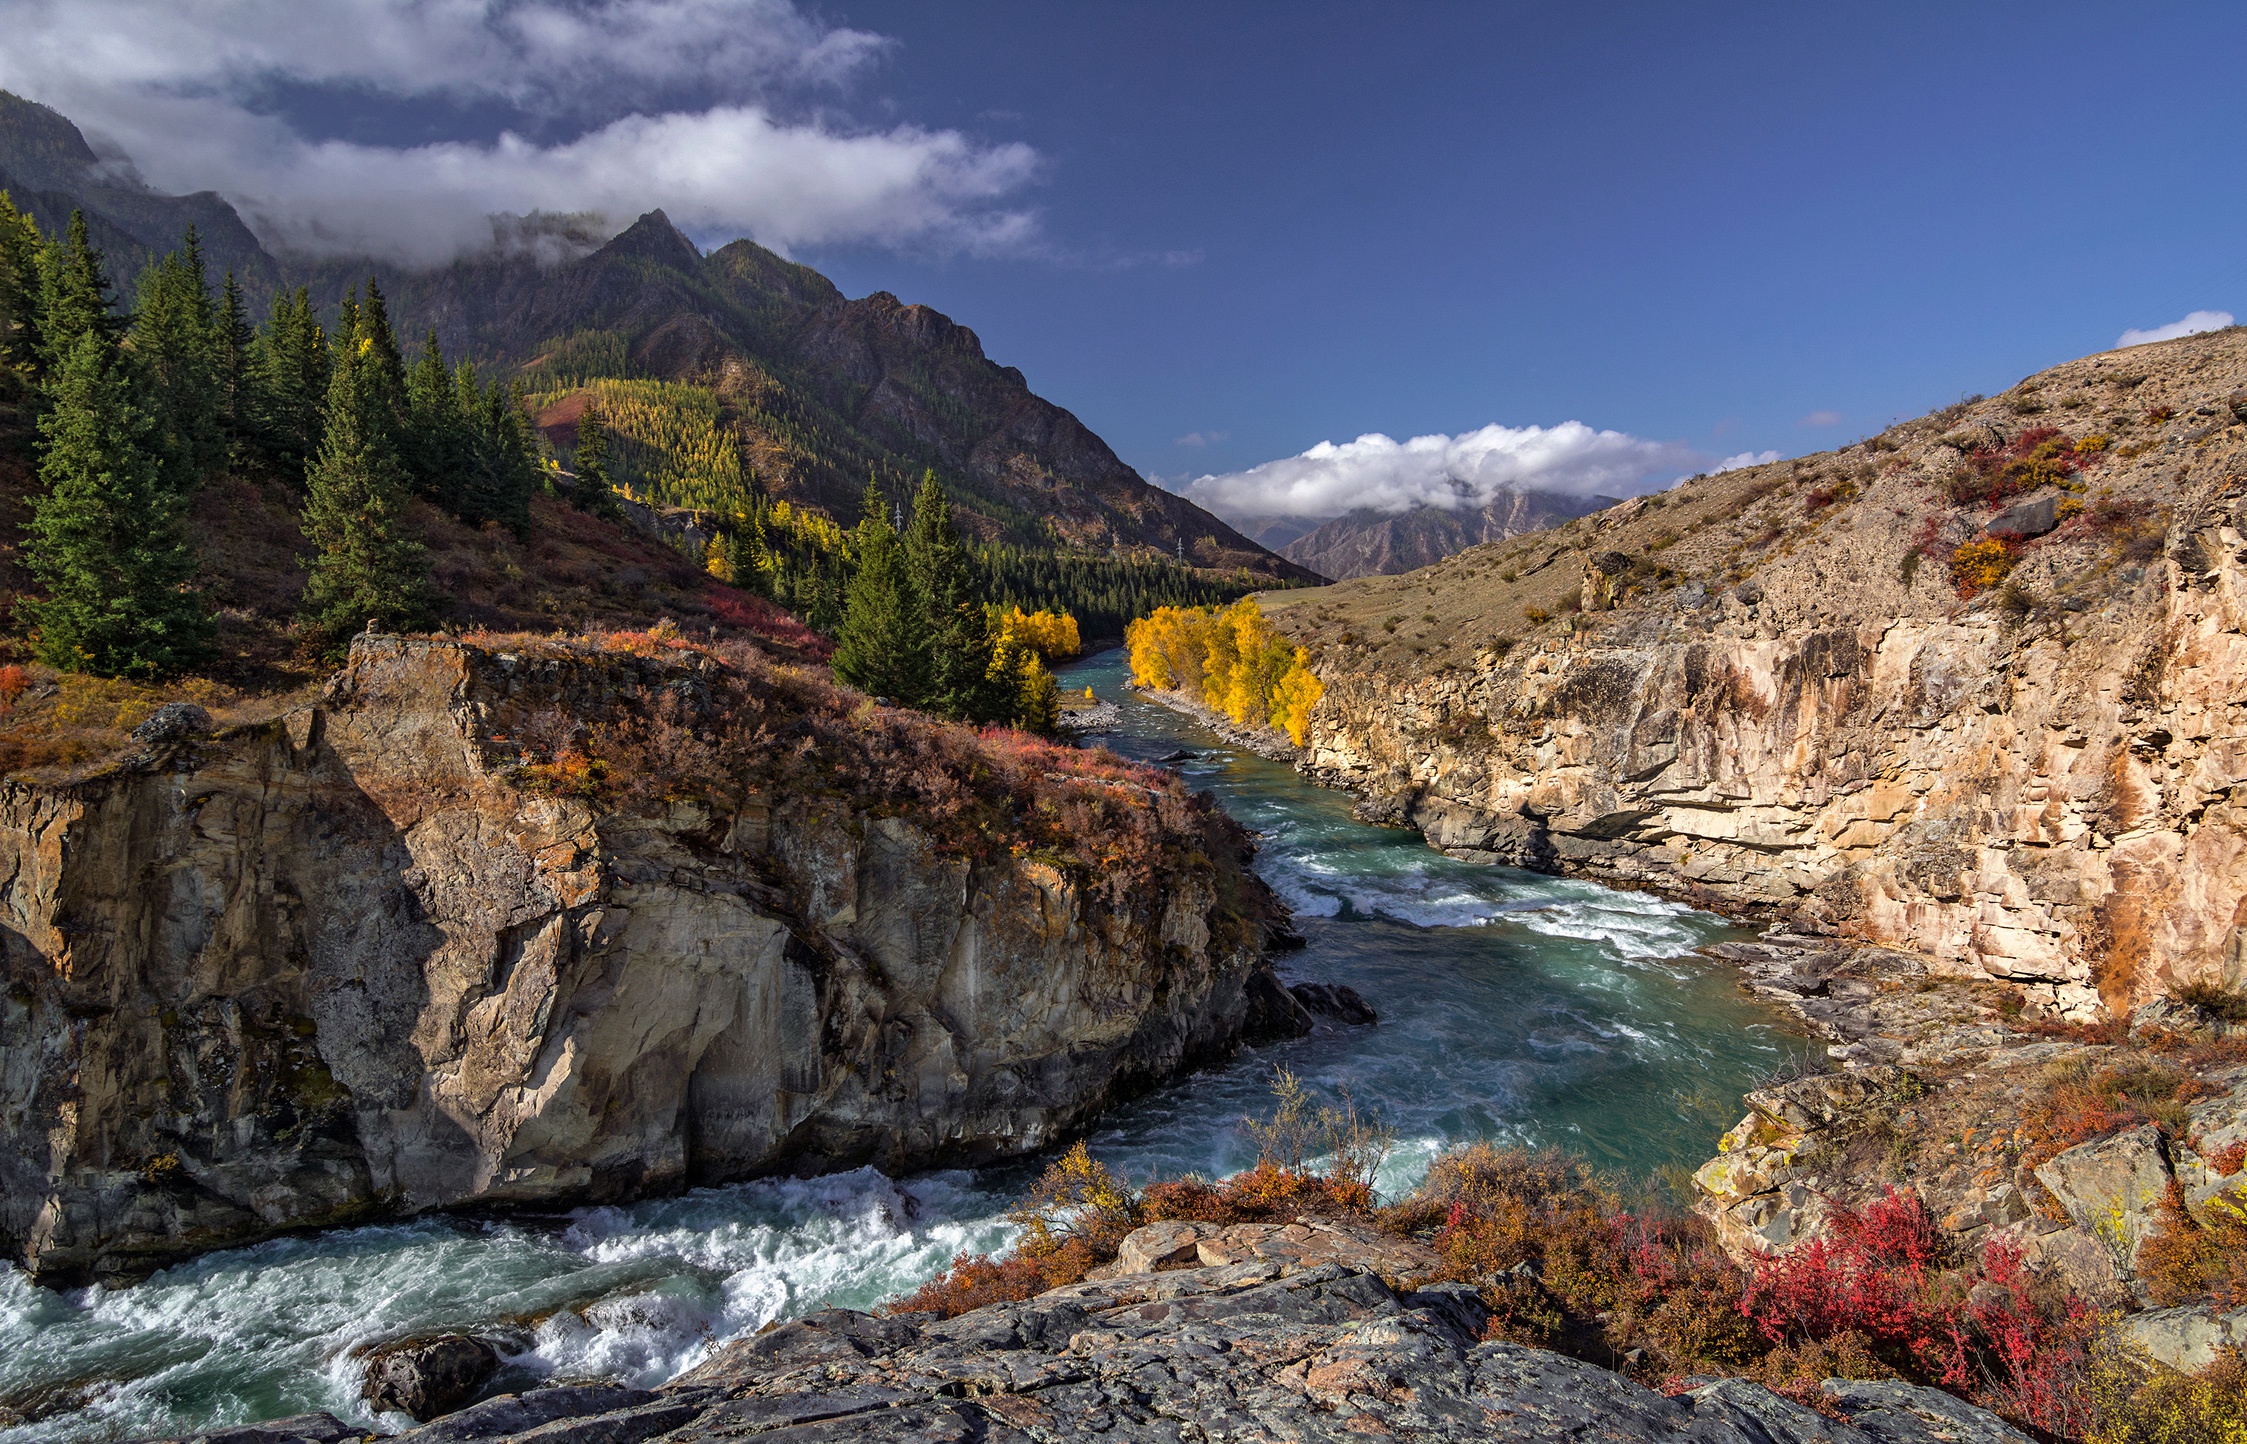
(2044, 785)
(363, 960)
(423, 1378)
(1309, 1337)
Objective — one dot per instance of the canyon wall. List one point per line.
(2043, 783)
(362, 961)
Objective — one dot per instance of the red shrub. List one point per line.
(1985, 1330)
(13, 680)
(761, 618)
(2039, 456)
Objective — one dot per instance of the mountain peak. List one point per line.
(39, 146)
(653, 238)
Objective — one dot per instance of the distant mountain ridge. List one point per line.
(1373, 543)
(820, 390)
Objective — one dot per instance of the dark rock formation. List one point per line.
(424, 1378)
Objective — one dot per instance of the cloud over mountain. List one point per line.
(722, 112)
(2193, 323)
(1381, 473)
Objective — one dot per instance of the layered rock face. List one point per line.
(2038, 782)
(360, 961)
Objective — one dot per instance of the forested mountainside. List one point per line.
(808, 392)
(1367, 542)
(1971, 687)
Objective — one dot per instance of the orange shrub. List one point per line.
(1978, 566)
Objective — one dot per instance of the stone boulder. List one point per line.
(173, 722)
(423, 1378)
(2112, 1189)
(2026, 519)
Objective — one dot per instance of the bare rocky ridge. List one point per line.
(1741, 693)
(1367, 542)
(1302, 1332)
(349, 964)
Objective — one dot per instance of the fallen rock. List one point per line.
(2026, 519)
(424, 1378)
(2112, 1189)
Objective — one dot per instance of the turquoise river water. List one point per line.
(1513, 1006)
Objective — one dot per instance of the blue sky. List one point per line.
(1661, 219)
(1223, 233)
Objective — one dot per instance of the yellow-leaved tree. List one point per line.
(1229, 658)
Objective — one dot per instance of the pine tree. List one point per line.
(290, 365)
(883, 643)
(595, 492)
(175, 347)
(20, 248)
(957, 623)
(105, 537)
(364, 568)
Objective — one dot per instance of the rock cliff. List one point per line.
(546, 922)
(1872, 693)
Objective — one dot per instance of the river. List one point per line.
(1514, 1007)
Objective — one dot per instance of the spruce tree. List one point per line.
(75, 299)
(882, 646)
(290, 366)
(595, 492)
(175, 346)
(363, 568)
(20, 247)
(959, 629)
(495, 458)
(437, 449)
(234, 349)
(105, 537)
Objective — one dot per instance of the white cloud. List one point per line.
(2192, 324)
(1740, 459)
(696, 106)
(1384, 474)
(1821, 418)
(1198, 439)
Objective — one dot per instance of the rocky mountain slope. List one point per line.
(1367, 543)
(1974, 688)
(543, 922)
(818, 389)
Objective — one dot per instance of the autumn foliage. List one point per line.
(1052, 635)
(1229, 658)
